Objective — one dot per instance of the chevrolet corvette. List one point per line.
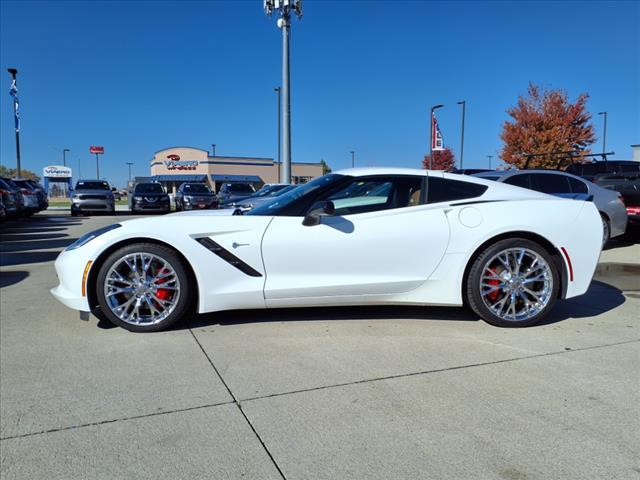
(364, 236)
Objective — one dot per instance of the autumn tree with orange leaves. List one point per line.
(442, 160)
(545, 121)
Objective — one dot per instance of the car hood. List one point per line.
(151, 195)
(224, 212)
(93, 192)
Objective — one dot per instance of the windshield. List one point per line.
(281, 202)
(149, 188)
(82, 185)
(196, 188)
(239, 188)
(268, 190)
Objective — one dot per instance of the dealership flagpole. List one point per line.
(16, 115)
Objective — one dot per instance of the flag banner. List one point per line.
(436, 135)
(13, 91)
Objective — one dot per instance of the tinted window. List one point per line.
(11, 184)
(445, 190)
(149, 188)
(550, 183)
(577, 186)
(239, 188)
(196, 188)
(82, 185)
(523, 180)
(628, 167)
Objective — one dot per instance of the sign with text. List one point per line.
(56, 171)
(96, 149)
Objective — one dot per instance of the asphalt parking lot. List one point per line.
(375, 393)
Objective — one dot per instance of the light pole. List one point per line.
(284, 8)
(79, 171)
(16, 117)
(353, 159)
(64, 156)
(489, 157)
(129, 165)
(278, 90)
(432, 133)
(213, 149)
(604, 135)
(464, 104)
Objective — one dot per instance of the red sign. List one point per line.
(95, 149)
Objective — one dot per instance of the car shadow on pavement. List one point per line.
(600, 298)
(631, 237)
(11, 278)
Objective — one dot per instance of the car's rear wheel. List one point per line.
(513, 283)
(144, 287)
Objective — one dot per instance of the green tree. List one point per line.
(12, 172)
(325, 168)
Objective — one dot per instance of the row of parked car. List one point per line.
(613, 186)
(20, 197)
(90, 196)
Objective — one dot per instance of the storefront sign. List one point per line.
(56, 171)
(174, 163)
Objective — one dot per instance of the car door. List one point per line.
(552, 183)
(381, 239)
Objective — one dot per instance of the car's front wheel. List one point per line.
(144, 287)
(513, 283)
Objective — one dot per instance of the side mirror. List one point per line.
(318, 210)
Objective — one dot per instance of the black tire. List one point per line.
(182, 307)
(606, 229)
(74, 213)
(473, 292)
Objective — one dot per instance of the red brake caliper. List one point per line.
(163, 293)
(494, 282)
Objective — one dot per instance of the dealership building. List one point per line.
(174, 166)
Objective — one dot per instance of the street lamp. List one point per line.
(489, 157)
(284, 9)
(432, 133)
(278, 90)
(129, 165)
(464, 104)
(353, 159)
(213, 149)
(14, 94)
(64, 156)
(604, 136)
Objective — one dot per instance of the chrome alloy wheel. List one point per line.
(516, 284)
(142, 289)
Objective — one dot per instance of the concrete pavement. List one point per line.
(312, 393)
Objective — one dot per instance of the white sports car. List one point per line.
(363, 236)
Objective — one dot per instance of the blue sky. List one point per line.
(137, 77)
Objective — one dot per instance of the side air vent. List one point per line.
(227, 256)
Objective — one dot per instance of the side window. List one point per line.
(523, 181)
(577, 186)
(550, 183)
(370, 194)
(445, 190)
(630, 168)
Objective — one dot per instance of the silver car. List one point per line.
(608, 202)
(92, 196)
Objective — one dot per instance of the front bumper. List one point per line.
(69, 269)
(92, 205)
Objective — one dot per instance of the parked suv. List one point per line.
(32, 200)
(149, 197)
(590, 171)
(18, 196)
(232, 192)
(609, 203)
(92, 196)
(192, 196)
(9, 199)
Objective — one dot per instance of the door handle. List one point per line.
(236, 244)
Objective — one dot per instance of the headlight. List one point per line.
(137, 199)
(76, 197)
(86, 238)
